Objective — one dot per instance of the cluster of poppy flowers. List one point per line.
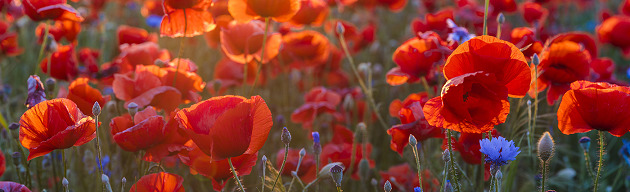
(482, 71)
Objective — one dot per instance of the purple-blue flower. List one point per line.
(498, 151)
(417, 189)
(315, 137)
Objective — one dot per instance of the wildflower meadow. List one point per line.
(314, 95)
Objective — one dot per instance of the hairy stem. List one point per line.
(286, 153)
(601, 160)
(238, 181)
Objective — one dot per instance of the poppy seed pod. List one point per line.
(132, 108)
(585, 143)
(545, 147)
(286, 136)
(498, 175)
(96, 109)
(337, 174)
(388, 186)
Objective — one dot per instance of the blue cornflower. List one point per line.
(315, 137)
(417, 189)
(498, 151)
(154, 21)
(459, 34)
(625, 150)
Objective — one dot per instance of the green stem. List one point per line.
(262, 55)
(63, 160)
(416, 154)
(238, 181)
(98, 150)
(544, 176)
(445, 176)
(452, 161)
(364, 88)
(485, 18)
(286, 152)
(44, 42)
(587, 160)
(181, 49)
(601, 159)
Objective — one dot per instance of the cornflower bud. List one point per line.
(500, 18)
(585, 143)
(96, 109)
(388, 186)
(317, 147)
(340, 28)
(286, 136)
(535, 59)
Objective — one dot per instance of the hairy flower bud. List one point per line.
(302, 152)
(388, 186)
(16, 158)
(413, 142)
(50, 84)
(446, 156)
(500, 18)
(286, 136)
(65, 182)
(535, 59)
(545, 147)
(364, 168)
(14, 126)
(96, 109)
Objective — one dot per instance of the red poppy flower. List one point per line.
(491, 55)
(416, 58)
(278, 10)
(63, 63)
(54, 124)
(159, 182)
(139, 54)
(8, 41)
(39, 10)
(188, 83)
(412, 122)
(217, 170)
(3, 163)
(186, 18)
(614, 30)
(89, 59)
(534, 14)
(84, 96)
(133, 35)
(342, 152)
(602, 70)
(393, 5)
(36, 93)
(561, 64)
(242, 42)
(305, 49)
(307, 166)
(171, 145)
(145, 88)
(317, 101)
(407, 177)
(625, 8)
(212, 122)
(471, 103)
(145, 130)
(61, 29)
(9, 186)
(434, 22)
(312, 12)
(589, 106)
(523, 37)
(584, 39)
(505, 6)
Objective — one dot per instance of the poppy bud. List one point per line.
(65, 182)
(110, 106)
(374, 182)
(585, 143)
(122, 184)
(337, 174)
(535, 59)
(16, 158)
(413, 141)
(160, 62)
(348, 102)
(294, 174)
(132, 108)
(302, 152)
(498, 175)
(340, 28)
(96, 109)
(500, 18)
(105, 180)
(361, 129)
(325, 171)
(50, 84)
(364, 68)
(446, 156)
(545, 147)
(286, 136)
(388, 186)
(364, 168)
(14, 126)
(264, 159)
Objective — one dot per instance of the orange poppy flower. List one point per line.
(145, 88)
(8, 41)
(84, 96)
(186, 18)
(63, 63)
(188, 83)
(317, 101)
(54, 124)
(407, 177)
(307, 165)
(242, 42)
(61, 29)
(614, 31)
(434, 22)
(533, 13)
(494, 56)
(524, 36)
(245, 137)
(305, 49)
(589, 106)
(230, 74)
(139, 54)
(412, 122)
(278, 10)
(602, 70)
(222, 18)
(144, 131)
(416, 58)
(39, 10)
(152, 8)
(483, 106)
(312, 12)
(13, 187)
(561, 64)
(584, 39)
(216, 170)
(159, 182)
(133, 35)
(171, 145)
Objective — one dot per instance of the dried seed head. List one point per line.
(132, 108)
(286, 136)
(336, 172)
(545, 147)
(388, 186)
(96, 109)
(585, 143)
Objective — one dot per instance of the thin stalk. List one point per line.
(98, 149)
(485, 18)
(601, 159)
(352, 159)
(63, 160)
(587, 160)
(364, 88)
(417, 156)
(44, 42)
(181, 49)
(238, 181)
(262, 55)
(338, 189)
(445, 176)
(544, 176)
(451, 161)
(309, 185)
(286, 152)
